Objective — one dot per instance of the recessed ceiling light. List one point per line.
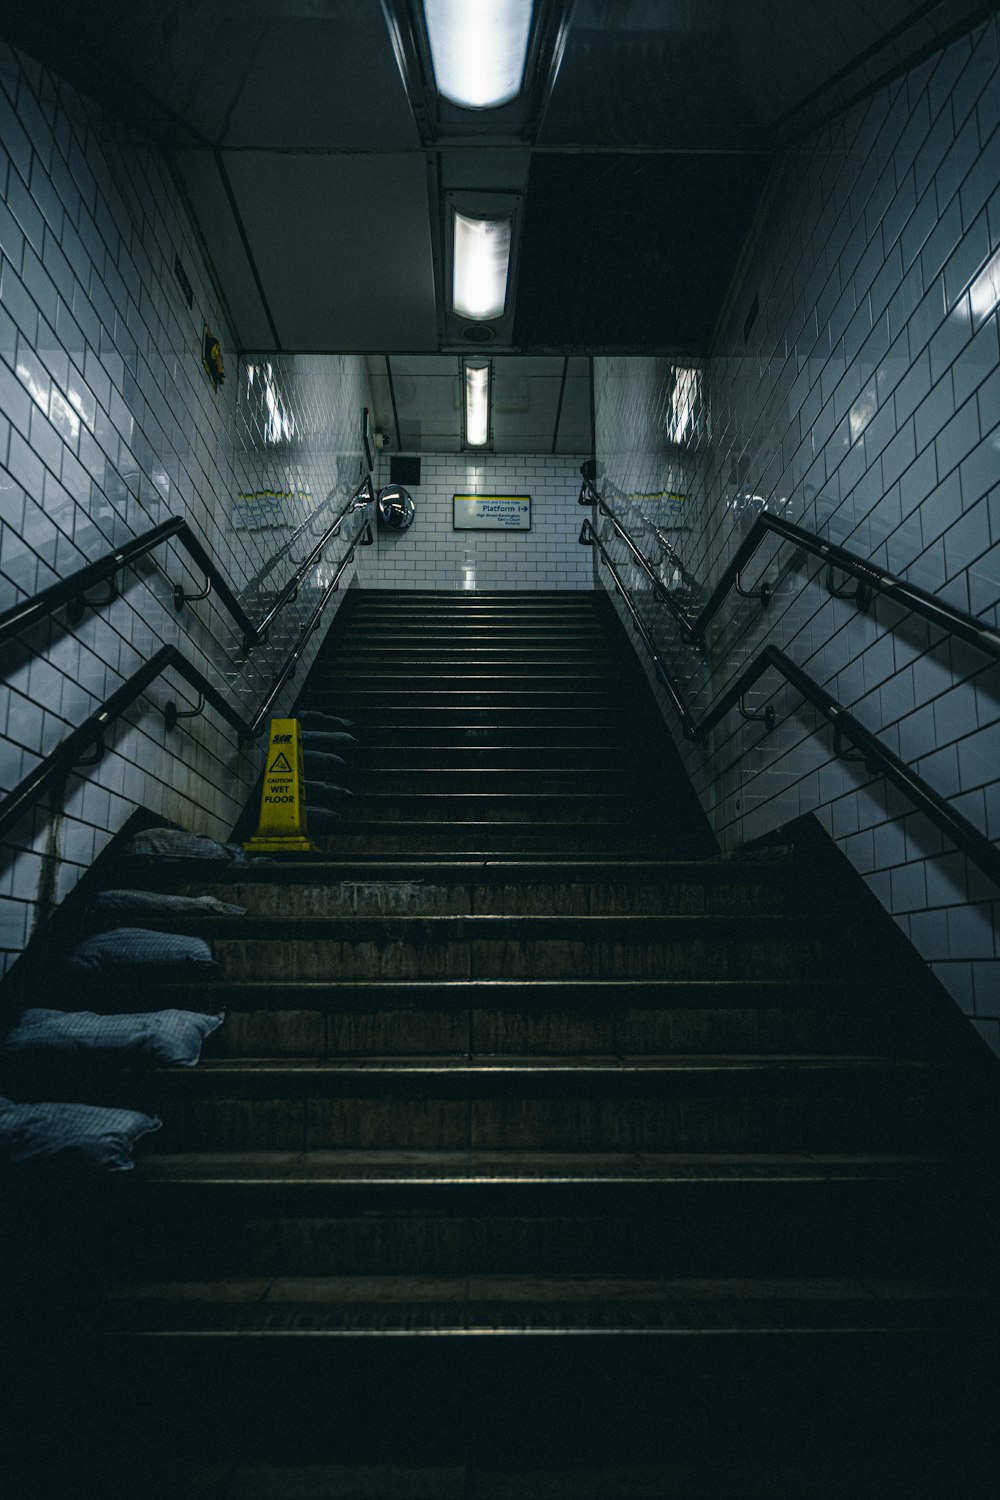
(477, 405)
(480, 263)
(478, 49)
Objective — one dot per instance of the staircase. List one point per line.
(541, 1154)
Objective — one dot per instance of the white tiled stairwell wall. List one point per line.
(108, 426)
(431, 555)
(862, 401)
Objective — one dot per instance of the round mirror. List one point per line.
(396, 507)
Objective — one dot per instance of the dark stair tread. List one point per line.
(542, 1167)
(546, 1303)
(626, 927)
(319, 869)
(841, 1477)
(552, 1067)
(548, 1080)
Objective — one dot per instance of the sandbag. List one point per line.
(323, 793)
(161, 1036)
(131, 949)
(311, 719)
(111, 902)
(322, 765)
(101, 1138)
(326, 739)
(177, 843)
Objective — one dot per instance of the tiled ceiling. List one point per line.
(317, 159)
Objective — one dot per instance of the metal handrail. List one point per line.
(662, 593)
(90, 736)
(877, 756)
(286, 546)
(871, 580)
(362, 538)
(291, 588)
(72, 590)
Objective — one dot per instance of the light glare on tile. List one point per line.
(481, 260)
(478, 49)
(477, 406)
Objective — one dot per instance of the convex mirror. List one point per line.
(396, 508)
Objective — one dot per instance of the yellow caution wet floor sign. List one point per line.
(282, 802)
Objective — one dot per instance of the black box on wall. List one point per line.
(403, 470)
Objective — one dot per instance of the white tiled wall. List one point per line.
(864, 404)
(109, 425)
(431, 555)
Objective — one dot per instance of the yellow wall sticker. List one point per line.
(282, 823)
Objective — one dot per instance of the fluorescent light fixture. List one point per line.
(480, 262)
(478, 49)
(477, 405)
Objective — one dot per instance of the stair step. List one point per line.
(502, 806)
(413, 650)
(505, 888)
(471, 635)
(494, 759)
(379, 1305)
(544, 839)
(574, 1103)
(600, 782)
(489, 1018)
(398, 670)
(509, 947)
(602, 737)
(541, 716)
(831, 1477)
(215, 1213)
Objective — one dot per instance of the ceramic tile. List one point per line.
(918, 487)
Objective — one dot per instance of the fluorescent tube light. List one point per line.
(478, 49)
(477, 405)
(481, 260)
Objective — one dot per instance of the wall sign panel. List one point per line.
(491, 513)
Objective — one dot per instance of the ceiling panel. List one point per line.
(631, 252)
(526, 397)
(338, 272)
(324, 83)
(638, 183)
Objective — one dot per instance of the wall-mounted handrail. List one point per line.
(291, 588)
(90, 736)
(870, 577)
(877, 756)
(363, 538)
(72, 590)
(289, 542)
(662, 593)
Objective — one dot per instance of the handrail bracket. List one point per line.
(171, 713)
(763, 593)
(78, 605)
(182, 597)
(841, 751)
(860, 595)
(765, 716)
(96, 755)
